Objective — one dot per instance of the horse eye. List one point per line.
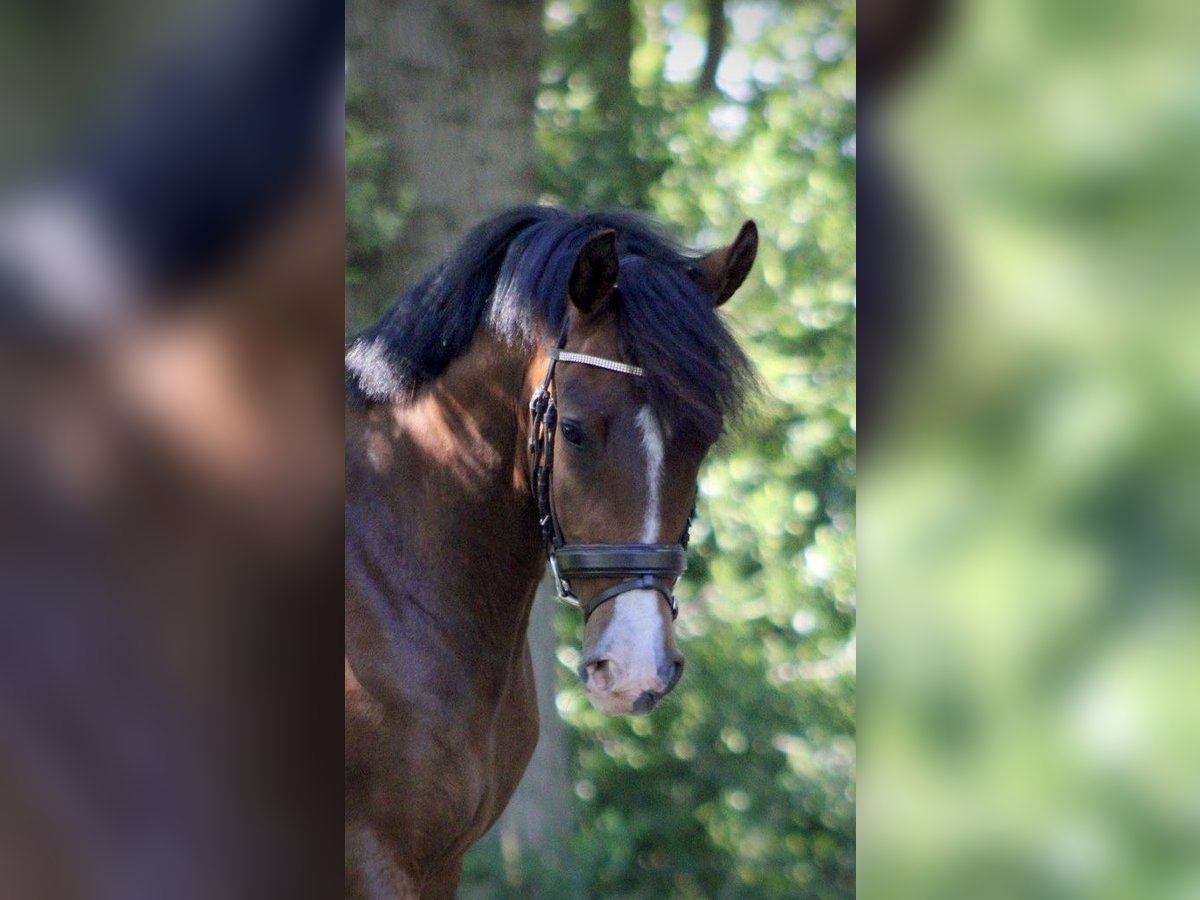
(571, 434)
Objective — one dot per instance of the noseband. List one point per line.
(655, 567)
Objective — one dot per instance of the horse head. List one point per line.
(633, 412)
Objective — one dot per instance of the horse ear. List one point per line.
(595, 273)
(723, 271)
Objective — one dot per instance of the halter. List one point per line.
(655, 567)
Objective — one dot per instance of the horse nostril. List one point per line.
(670, 673)
(597, 673)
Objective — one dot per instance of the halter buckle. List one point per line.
(561, 587)
(537, 411)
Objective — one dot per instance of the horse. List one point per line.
(547, 392)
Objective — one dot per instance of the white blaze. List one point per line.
(633, 641)
(652, 441)
(631, 644)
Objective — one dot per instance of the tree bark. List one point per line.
(451, 84)
(541, 816)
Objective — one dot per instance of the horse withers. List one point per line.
(548, 391)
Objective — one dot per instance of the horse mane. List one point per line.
(510, 275)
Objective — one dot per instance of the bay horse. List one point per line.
(549, 390)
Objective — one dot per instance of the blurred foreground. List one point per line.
(1031, 517)
(170, 452)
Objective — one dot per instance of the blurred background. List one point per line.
(703, 114)
(1029, 519)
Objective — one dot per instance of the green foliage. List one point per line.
(599, 127)
(373, 219)
(742, 784)
(1035, 499)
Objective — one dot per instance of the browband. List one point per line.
(598, 361)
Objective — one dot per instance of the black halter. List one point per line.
(654, 567)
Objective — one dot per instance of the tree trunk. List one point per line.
(451, 85)
(707, 82)
(612, 38)
(541, 816)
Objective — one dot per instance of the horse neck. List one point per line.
(441, 526)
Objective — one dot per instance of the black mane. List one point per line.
(511, 272)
